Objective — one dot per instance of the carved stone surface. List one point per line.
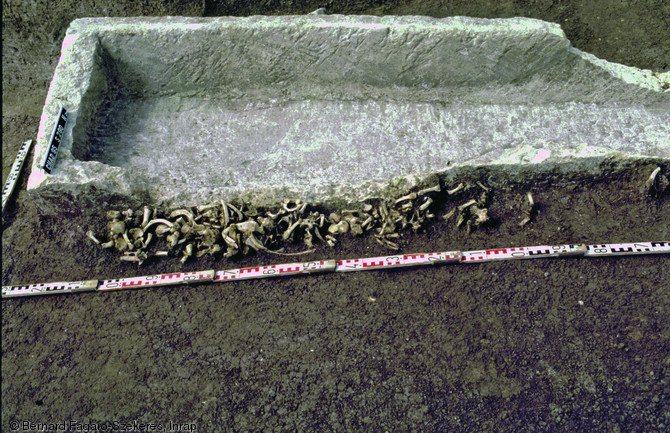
(185, 110)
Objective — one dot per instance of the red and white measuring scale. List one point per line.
(346, 265)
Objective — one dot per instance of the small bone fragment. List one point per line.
(467, 205)
(92, 237)
(240, 217)
(204, 207)
(136, 233)
(139, 257)
(387, 243)
(331, 240)
(226, 215)
(435, 188)
(162, 230)
(157, 221)
(455, 190)
(117, 227)
(285, 206)
(289, 231)
(173, 239)
(356, 229)
(121, 244)
(656, 182)
(426, 204)
(184, 213)
(367, 222)
(146, 216)
(148, 240)
(339, 228)
(308, 239)
(248, 227)
(113, 214)
(449, 214)
(481, 215)
(649, 184)
(125, 237)
(410, 196)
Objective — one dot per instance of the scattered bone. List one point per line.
(339, 228)
(136, 256)
(127, 239)
(426, 204)
(162, 230)
(467, 205)
(530, 210)
(182, 212)
(289, 231)
(460, 220)
(156, 222)
(248, 227)
(455, 190)
(121, 244)
(226, 229)
(331, 240)
(287, 208)
(113, 215)
(449, 214)
(435, 188)
(308, 239)
(206, 207)
(226, 215)
(173, 239)
(649, 184)
(91, 236)
(367, 222)
(117, 227)
(411, 196)
(387, 243)
(240, 217)
(481, 215)
(657, 183)
(147, 241)
(146, 216)
(188, 252)
(356, 229)
(136, 233)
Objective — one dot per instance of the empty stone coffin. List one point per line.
(188, 110)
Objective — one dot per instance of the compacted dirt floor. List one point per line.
(547, 345)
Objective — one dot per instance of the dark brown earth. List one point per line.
(541, 345)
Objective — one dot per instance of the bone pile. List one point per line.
(232, 229)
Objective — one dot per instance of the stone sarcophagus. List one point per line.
(187, 110)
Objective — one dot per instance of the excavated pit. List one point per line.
(187, 110)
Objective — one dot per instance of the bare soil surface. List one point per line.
(535, 345)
